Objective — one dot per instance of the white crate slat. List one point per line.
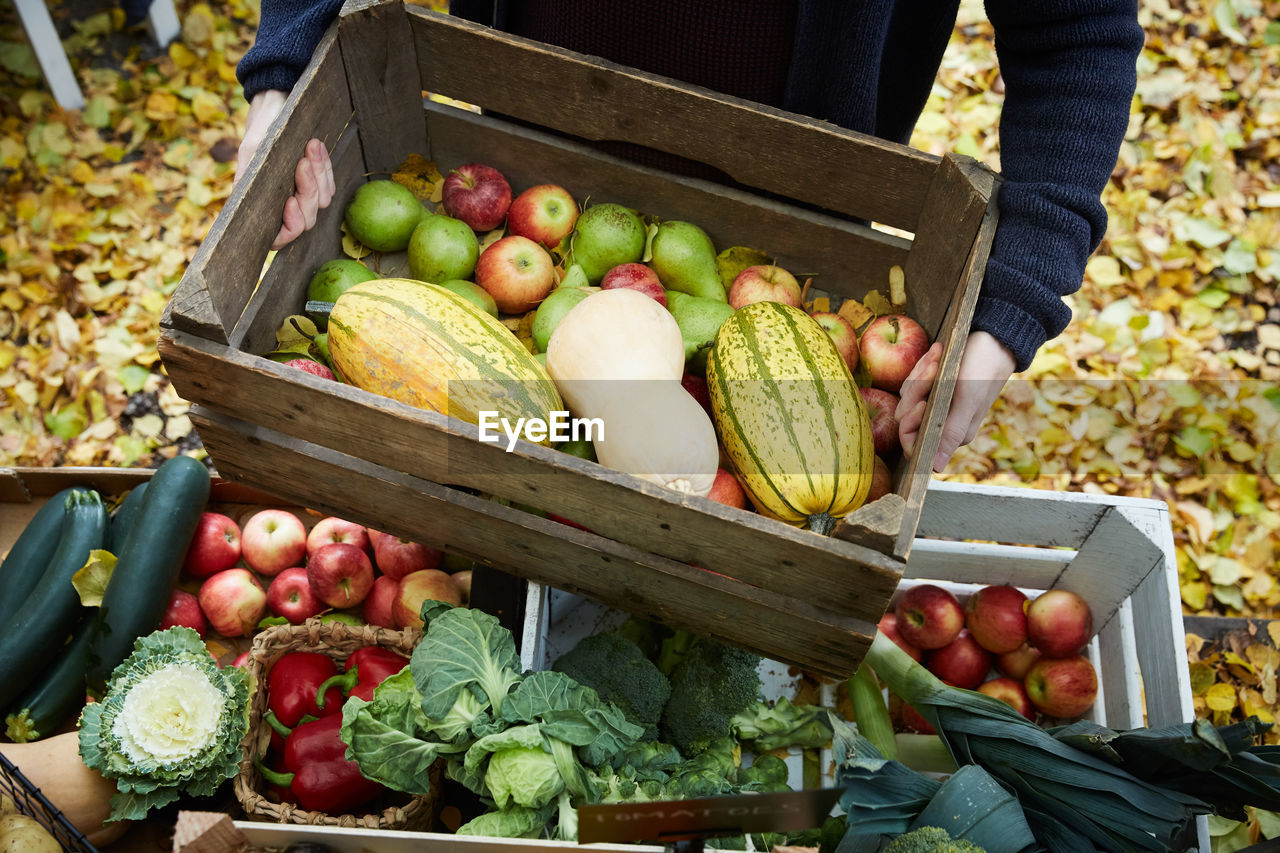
(984, 563)
(1020, 516)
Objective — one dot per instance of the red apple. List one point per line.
(517, 273)
(928, 616)
(307, 365)
(545, 214)
(697, 386)
(463, 581)
(996, 617)
(842, 335)
(727, 490)
(479, 195)
(241, 659)
(961, 662)
(215, 546)
(340, 575)
(290, 595)
(881, 406)
(1011, 692)
(881, 480)
(888, 626)
(890, 346)
(184, 610)
(377, 604)
(1016, 663)
(233, 601)
(415, 588)
(374, 536)
(1059, 623)
(1062, 687)
(913, 721)
(332, 529)
(764, 283)
(396, 557)
(635, 277)
(273, 540)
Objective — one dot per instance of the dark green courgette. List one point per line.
(30, 555)
(147, 565)
(125, 515)
(50, 612)
(53, 697)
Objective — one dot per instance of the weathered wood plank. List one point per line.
(982, 563)
(1094, 573)
(225, 270)
(844, 257)
(382, 75)
(762, 552)
(1019, 516)
(772, 150)
(966, 192)
(284, 285)
(537, 549)
(1118, 670)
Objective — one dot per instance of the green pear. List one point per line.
(699, 319)
(442, 248)
(606, 235)
(553, 309)
(383, 214)
(685, 260)
(473, 293)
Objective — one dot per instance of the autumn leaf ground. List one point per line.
(1166, 385)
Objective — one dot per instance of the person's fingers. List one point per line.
(918, 382)
(294, 224)
(953, 435)
(323, 166)
(909, 426)
(307, 192)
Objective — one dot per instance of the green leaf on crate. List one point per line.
(734, 260)
(91, 580)
(270, 621)
(133, 377)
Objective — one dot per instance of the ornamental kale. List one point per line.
(169, 725)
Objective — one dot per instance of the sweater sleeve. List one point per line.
(288, 32)
(1069, 75)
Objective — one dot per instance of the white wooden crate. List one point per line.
(1115, 552)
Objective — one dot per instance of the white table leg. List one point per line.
(48, 47)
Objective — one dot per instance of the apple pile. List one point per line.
(1026, 652)
(235, 575)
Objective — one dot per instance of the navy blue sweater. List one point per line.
(1069, 74)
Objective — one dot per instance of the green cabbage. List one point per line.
(170, 724)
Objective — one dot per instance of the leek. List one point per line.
(870, 711)
(1073, 801)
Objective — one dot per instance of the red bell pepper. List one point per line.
(367, 667)
(318, 772)
(292, 684)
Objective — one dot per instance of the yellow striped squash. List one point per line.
(789, 415)
(426, 346)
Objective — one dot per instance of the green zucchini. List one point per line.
(125, 515)
(53, 697)
(147, 565)
(49, 613)
(30, 555)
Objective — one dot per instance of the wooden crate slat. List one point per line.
(382, 75)
(970, 191)
(284, 285)
(846, 258)
(1010, 515)
(538, 550)
(225, 270)
(1118, 670)
(1092, 574)
(1157, 616)
(765, 553)
(982, 563)
(772, 150)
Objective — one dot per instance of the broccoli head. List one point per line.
(711, 683)
(617, 669)
(930, 839)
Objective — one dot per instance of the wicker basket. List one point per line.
(336, 640)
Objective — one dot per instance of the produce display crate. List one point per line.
(32, 802)
(811, 190)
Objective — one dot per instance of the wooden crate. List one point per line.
(786, 593)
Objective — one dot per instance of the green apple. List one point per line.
(442, 248)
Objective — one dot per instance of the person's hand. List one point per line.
(984, 369)
(313, 178)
